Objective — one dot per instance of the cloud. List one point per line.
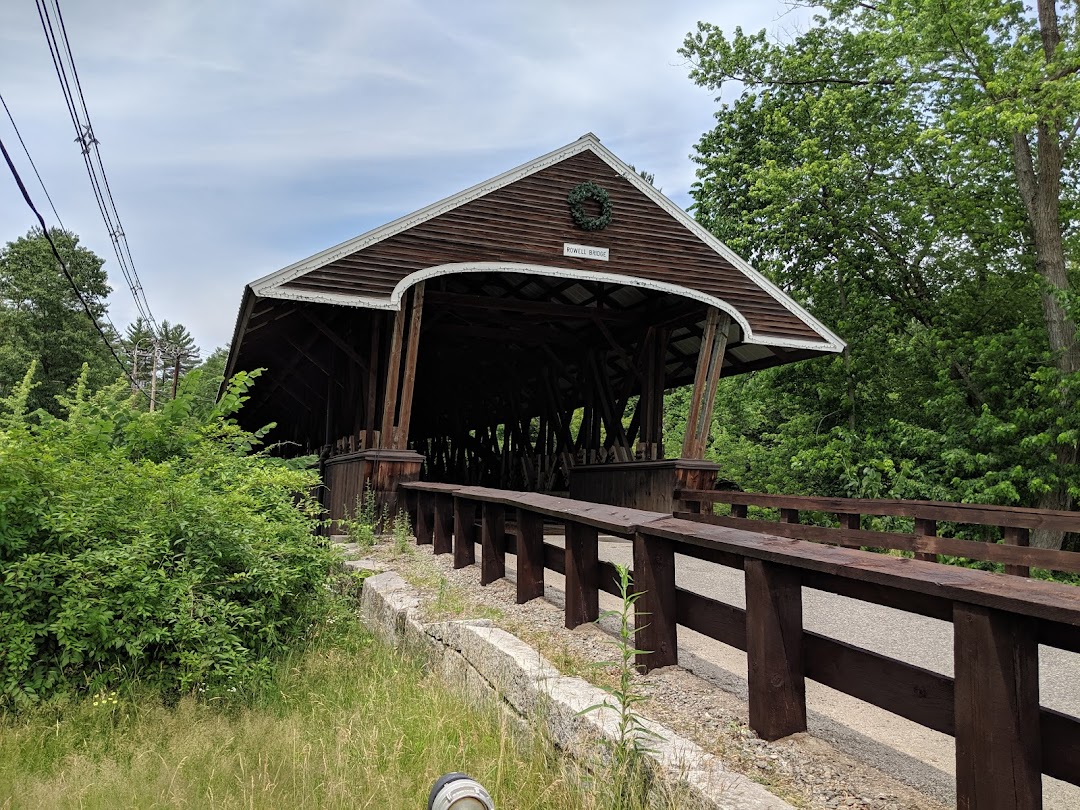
(242, 137)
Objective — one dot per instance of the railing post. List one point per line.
(655, 610)
(739, 510)
(582, 588)
(789, 515)
(998, 750)
(849, 520)
(774, 649)
(530, 556)
(464, 532)
(444, 523)
(925, 527)
(1015, 536)
(492, 543)
(425, 518)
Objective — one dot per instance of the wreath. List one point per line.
(589, 191)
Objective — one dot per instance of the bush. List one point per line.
(148, 546)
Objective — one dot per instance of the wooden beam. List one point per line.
(546, 308)
(774, 649)
(655, 609)
(582, 588)
(530, 555)
(335, 338)
(464, 532)
(492, 543)
(710, 364)
(408, 385)
(373, 381)
(998, 742)
(444, 523)
(393, 377)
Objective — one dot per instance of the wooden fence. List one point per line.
(1014, 523)
(1004, 739)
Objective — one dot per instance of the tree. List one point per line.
(907, 169)
(42, 319)
(159, 360)
(178, 354)
(138, 345)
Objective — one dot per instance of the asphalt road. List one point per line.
(914, 754)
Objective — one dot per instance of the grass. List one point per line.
(347, 723)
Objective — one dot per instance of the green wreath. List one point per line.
(589, 191)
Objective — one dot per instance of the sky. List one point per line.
(241, 137)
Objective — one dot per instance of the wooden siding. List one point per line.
(529, 221)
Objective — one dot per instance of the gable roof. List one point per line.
(518, 222)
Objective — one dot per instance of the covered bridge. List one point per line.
(500, 336)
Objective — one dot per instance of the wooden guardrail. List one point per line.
(1004, 739)
(1014, 523)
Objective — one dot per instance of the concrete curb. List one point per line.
(487, 663)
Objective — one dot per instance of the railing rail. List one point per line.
(1004, 739)
(1014, 523)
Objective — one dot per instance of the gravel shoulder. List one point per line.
(705, 706)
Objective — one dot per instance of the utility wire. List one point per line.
(41, 182)
(64, 64)
(33, 165)
(63, 265)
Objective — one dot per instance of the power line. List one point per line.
(33, 165)
(41, 182)
(63, 264)
(64, 64)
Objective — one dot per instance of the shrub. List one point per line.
(148, 546)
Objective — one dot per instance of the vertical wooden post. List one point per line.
(582, 587)
(709, 367)
(654, 611)
(739, 510)
(925, 527)
(393, 376)
(373, 382)
(410, 498)
(849, 520)
(998, 748)
(425, 518)
(789, 515)
(774, 649)
(530, 556)
(464, 532)
(492, 543)
(401, 430)
(444, 523)
(1015, 536)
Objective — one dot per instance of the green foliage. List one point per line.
(363, 527)
(589, 191)
(153, 547)
(869, 167)
(631, 779)
(402, 531)
(347, 722)
(42, 321)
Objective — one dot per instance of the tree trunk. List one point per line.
(1039, 182)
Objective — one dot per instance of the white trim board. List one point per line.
(398, 294)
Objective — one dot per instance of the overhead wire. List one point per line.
(41, 182)
(63, 265)
(64, 64)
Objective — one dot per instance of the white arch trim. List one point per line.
(454, 268)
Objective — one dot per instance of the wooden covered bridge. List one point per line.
(512, 344)
(498, 337)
